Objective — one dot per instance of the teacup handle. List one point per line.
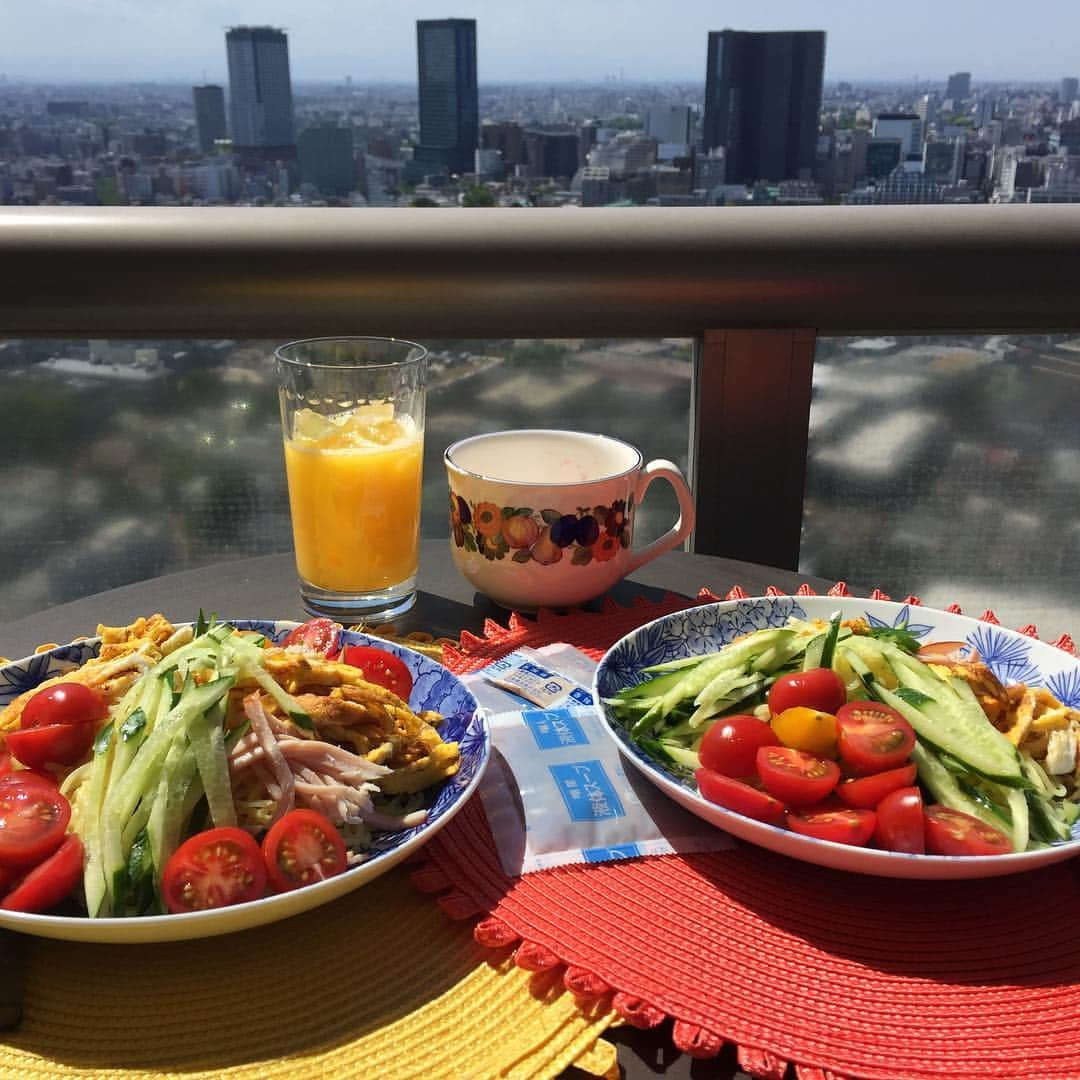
(669, 471)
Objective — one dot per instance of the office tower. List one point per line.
(669, 123)
(1070, 89)
(260, 91)
(326, 158)
(941, 160)
(551, 153)
(763, 102)
(959, 86)
(907, 127)
(209, 115)
(449, 102)
(882, 156)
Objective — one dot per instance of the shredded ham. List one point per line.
(310, 772)
(260, 726)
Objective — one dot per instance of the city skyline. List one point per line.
(119, 40)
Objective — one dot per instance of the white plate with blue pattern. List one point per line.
(1011, 656)
(434, 687)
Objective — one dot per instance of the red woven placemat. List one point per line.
(840, 975)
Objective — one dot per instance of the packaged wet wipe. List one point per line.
(557, 793)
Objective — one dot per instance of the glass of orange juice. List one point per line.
(352, 416)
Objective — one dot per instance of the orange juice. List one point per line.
(354, 493)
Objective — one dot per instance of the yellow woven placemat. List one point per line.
(379, 983)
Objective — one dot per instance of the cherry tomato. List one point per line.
(730, 746)
(33, 819)
(819, 688)
(319, 635)
(28, 776)
(50, 881)
(5, 762)
(63, 703)
(380, 667)
(213, 869)
(865, 792)
(56, 744)
(807, 729)
(301, 848)
(900, 821)
(8, 877)
(734, 795)
(952, 832)
(873, 737)
(840, 826)
(795, 777)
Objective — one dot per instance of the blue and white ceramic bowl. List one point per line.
(434, 687)
(1013, 658)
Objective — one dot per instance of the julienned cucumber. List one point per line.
(943, 710)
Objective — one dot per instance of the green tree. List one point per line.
(423, 200)
(477, 195)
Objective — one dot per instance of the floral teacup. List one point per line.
(546, 518)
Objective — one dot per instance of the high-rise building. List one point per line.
(327, 159)
(449, 100)
(1070, 89)
(763, 102)
(959, 86)
(907, 127)
(209, 115)
(260, 90)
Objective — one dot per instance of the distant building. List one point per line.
(449, 99)
(670, 123)
(326, 159)
(942, 160)
(260, 90)
(209, 115)
(551, 153)
(882, 157)
(763, 102)
(958, 87)
(1070, 89)
(507, 138)
(899, 188)
(907, 127)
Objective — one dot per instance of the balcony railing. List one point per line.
(752, 287)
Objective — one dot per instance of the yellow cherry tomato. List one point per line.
(806, 729)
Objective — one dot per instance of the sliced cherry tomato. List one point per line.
(730, 746)
(807, 729)
(214, 869)
(865, 792)
(29, 776)
(63, 703)
(873, 737)
(795, 777)
(8, 877)
(952, 832)
(840, 826)
(900, 825)
(33, 819)
(319, 635)
(819, 688)
(301, 848)
(5, 762)
(734, 795)
(50, 881)
(380, 667)
(56, 744)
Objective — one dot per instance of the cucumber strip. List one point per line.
(675, 665)
(943, 786)
(281, 696)
(206, 732)
(829, 646)
(652, 688)
(735, 690)
(91, 798)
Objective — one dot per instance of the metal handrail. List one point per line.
(291, 272)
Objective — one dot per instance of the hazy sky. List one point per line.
(529, 40)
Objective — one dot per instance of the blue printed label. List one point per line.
(582, 697)
(606, 854)
(555, 728)
(586, 791)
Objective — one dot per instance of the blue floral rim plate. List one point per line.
(434, 688)
(1013, 658)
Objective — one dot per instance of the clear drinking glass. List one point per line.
(352, 417)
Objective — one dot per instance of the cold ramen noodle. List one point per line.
(855, 734)
(190, 768)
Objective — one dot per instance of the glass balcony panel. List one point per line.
(124, 460)
(949, 467)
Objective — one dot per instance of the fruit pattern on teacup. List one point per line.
(544, 536)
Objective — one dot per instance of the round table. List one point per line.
(266, 588)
